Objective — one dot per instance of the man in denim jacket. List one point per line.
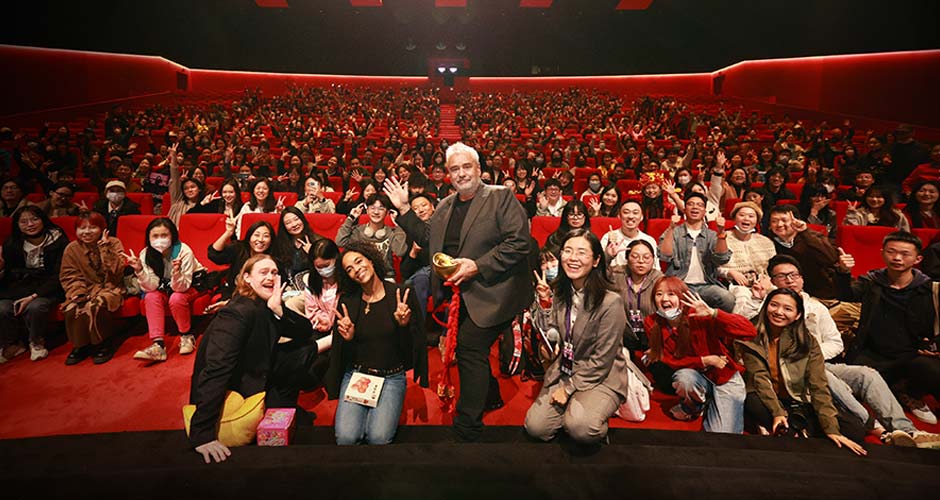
(699, 270)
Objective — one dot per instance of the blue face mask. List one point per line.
(551, 273)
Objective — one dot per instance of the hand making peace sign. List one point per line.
(344, 325)
(402, 312)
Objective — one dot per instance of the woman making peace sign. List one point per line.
(379, 332)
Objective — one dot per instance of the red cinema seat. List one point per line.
(543, 226)
(145, 200)
(290, 199)
(863, 243)
(601, 225)
(629, 187)
(132, 231)
(199, 231)
(336, 196)
(250, 218)
(326, 225)
(584, 172)
(67, 223)
(796, 188)
(729, 206)
(927, 236)
(655, 227)
(6, 228)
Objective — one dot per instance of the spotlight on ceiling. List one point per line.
(440, 46)
(452, 69)
(441, 69)
(460, 46)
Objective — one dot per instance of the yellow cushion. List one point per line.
(240, 418)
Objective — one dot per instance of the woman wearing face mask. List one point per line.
(321, 295)
(877, 210)
(29, 282)
(389, 241)
(313, 200)
(292, 244)
(226, 200)
(233, 254)
(787, 391)
(92, 276)
(687, 348)
(682, 178)
(165, 269)
(587, 381)
(239, 354)
(594, 189)
(635, 284)
(377, 333)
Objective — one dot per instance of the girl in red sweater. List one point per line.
(688, 337)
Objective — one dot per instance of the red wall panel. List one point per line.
(684, 84)
(40, 79)
(211, 81)
(898, 86)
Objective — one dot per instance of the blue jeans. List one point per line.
(715, 296)
(355, 423)
(723, 404)
(852, 384)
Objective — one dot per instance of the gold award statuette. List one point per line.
(444, 265)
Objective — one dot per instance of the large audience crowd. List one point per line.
(724, 284)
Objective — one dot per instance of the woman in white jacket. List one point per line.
(165, 269)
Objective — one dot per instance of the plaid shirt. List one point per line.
(683, 243)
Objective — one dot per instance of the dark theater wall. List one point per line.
(42, 79)
(898, 86)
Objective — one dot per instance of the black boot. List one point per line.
(78, 354)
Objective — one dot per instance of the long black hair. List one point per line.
(17, 237)
(912, 208)
(802, 339)
(886, 214)
(283, 247)
(152, 257)
(237, 204)
(596, 284)
(244, 246)
(322, 249)
(269, 203)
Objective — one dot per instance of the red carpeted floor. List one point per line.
(47, 398)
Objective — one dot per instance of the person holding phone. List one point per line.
(587, 381)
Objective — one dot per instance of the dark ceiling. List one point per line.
(571, 38)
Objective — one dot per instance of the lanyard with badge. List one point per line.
(634, 314)
(567, 350)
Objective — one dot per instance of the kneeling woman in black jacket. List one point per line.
(237, 353)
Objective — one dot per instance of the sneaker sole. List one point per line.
(905, 441)
(144, 357)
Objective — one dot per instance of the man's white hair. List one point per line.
(459, 147)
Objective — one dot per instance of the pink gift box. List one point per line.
(276, 427)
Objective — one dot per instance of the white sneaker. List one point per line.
(899, 438)
(152, 353)
(187, 344)
(918, 408)
(37, 352)
(926, 439)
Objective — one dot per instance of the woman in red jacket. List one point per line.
(688, 337)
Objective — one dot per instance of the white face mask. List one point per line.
(669, 314)
(745, 231)
(327, 272)
(595, 185)
(160, 244)
(115, 198)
